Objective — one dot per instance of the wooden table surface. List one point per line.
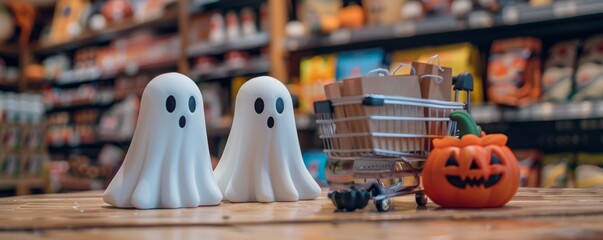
(533, 213)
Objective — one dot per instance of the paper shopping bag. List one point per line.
(436, 84)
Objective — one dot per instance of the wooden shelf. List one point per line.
(88, 37)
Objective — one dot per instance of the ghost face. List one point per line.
(170, 106)
(259, 109)
(262, 159)
(168, 163)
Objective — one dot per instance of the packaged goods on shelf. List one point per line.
(119, 122)
(557, 170)
(558, 75)
(589, 75)
(316, 162)
(530, 164)
(68, 20)
(383, 12)
(22, 146)
(358, 62)
(212, 104)
(462, 57)
(319, 15)
(589, 172)
(514, 71)
(315, 72)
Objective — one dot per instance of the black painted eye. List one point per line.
(451, 162)
(259, 105)
(495, 160)
(192, 104)
(280, 105)
(170, 103)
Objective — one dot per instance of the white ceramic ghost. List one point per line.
(168, 162)
(262, 159)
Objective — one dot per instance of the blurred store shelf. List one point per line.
(207, 48)
(74, 78)
(22, 186)
(513, 21)
(539, 112)
(8, 87)
(109, 33)
(375, 33)
(67, 147)
(9, 49)
(75, 107)
(254, 66)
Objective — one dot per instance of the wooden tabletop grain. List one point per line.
(533, 213)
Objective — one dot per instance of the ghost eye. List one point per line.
(170, 103)
(452, 162)
(259, 105)
(495, 160)
(192, 104)
(280, 105)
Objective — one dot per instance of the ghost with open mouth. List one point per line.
(168, 162)
(262, 160)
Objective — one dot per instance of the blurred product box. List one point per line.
(589, 172)
(557, 170)
(316, 162)
(558, 75)
(530, 166)
(589, 75)
(315, 72)
(358, 63)
(383, 12)
(514, 71)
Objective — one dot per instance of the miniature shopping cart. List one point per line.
(377, 144)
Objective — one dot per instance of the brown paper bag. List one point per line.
(435, 88)
(334, 90)
(407, 86)
(432, 87)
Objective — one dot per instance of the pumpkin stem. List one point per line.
(465, 123)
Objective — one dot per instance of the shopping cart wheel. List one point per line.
(421, 198)
(383, 205)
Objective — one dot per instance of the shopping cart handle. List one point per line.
(463, 81)
(324, 106)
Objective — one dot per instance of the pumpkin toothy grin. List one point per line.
(458, 182)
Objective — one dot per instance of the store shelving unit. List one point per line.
(90, 37)
(538, 126)
(561, 17)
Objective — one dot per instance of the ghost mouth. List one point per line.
(458, 182)
(182, 122)
(270, 122)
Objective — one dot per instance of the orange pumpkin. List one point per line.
(351, 16)
(471, 172)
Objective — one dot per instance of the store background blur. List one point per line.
(72, 73)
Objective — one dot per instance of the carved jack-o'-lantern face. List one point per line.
(471, 172)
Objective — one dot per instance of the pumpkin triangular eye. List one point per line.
(474, 165)
(451, 162)
(495, 160)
